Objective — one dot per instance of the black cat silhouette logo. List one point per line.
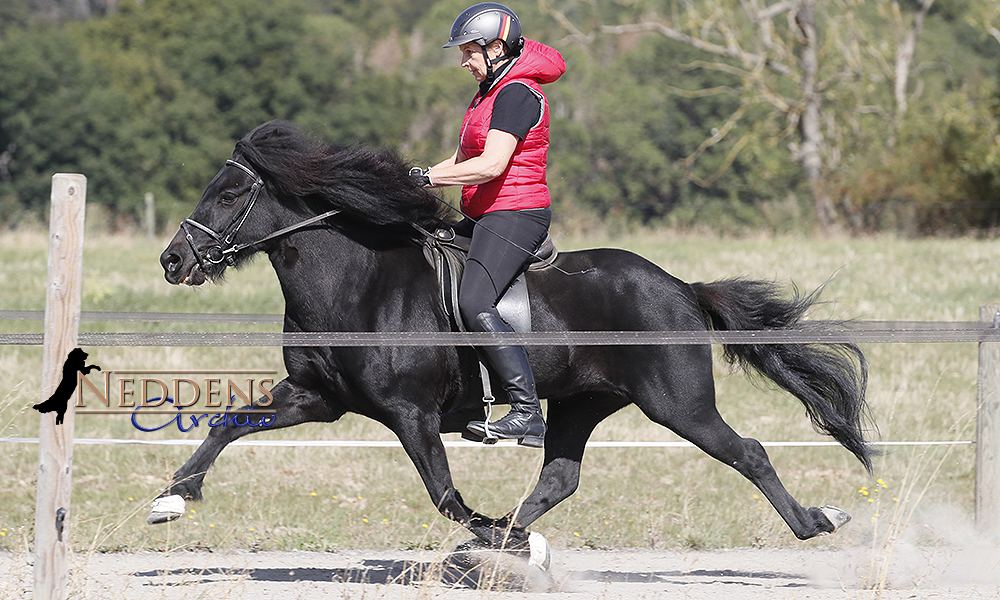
(58, 401)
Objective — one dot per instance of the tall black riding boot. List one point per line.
(524, 422)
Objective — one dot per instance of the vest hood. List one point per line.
(538, 62)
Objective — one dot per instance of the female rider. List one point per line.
(500, 162)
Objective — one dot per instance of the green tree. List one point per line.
(882, 113)
(151, 98)
(828, 81)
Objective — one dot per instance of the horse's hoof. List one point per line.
(540, 552)
(166, 509)
(469, 554)
(489, 568)
(838, 517)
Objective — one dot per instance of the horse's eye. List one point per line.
(228, 198)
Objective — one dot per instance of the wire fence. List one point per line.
(450, 443)
(812, 332)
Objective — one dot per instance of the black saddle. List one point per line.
(447, 252)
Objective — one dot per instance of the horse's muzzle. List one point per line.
(179, 265)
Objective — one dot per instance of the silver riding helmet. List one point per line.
(484, 23)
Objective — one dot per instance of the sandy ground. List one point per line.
(743, 574)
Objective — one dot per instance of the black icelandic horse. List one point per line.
(363, 270)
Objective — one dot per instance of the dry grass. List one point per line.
(327, 498)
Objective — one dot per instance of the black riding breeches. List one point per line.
(502, 241)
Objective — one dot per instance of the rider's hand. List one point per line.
(420, 176)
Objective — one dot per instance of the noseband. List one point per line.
(225, 248)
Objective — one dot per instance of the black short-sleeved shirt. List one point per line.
(516, 110)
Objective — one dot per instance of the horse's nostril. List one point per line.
(171, 262)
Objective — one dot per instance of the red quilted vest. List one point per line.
(522, 185)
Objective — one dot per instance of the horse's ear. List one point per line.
(273, 132)
(274, 129)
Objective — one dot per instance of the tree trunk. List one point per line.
(812, 146)
(904, 59)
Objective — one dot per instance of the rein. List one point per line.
(225, 249)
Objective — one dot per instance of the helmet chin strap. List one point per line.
(490, 71)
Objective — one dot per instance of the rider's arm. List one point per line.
(459, 170)
(457, 157)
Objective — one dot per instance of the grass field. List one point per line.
(315, 499)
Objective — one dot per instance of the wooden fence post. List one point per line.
(55, 442)
(988, 430)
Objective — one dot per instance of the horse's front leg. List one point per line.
(291, 405)
(418, 433)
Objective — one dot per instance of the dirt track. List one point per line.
(743, 574)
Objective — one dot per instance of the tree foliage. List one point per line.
(688, 113)
(836, 83)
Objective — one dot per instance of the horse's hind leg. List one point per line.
(291, 404)
(748, 456)
(690, 412)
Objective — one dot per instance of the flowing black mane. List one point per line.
(373, 186)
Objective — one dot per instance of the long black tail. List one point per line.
(829, 379)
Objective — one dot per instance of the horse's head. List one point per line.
(305, 176)
(209, 240)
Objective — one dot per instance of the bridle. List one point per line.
(225, 249)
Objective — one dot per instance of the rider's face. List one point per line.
(474, 59)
